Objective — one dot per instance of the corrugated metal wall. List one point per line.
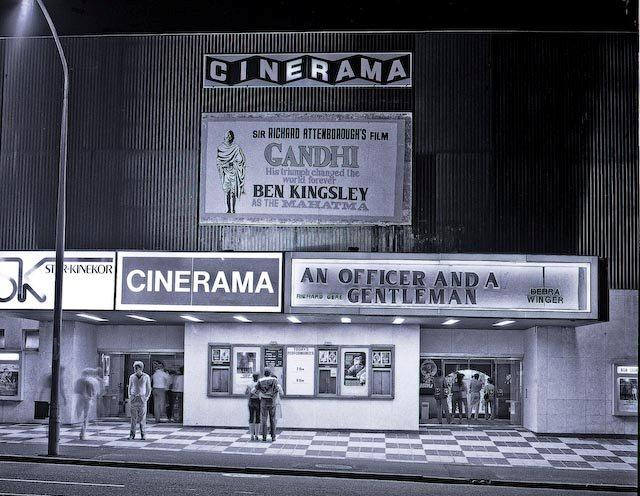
(523, 143)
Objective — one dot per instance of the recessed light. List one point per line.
(345, 320)
(451, 321)
(191, 318)
(10, 357)
(241, 318)
(91, 317)
(398, 320)
(140, 317)
(503, 323)
(293, 319)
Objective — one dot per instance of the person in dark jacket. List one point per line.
(267, 388)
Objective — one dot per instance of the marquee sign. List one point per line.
(305, 169)
(301, 69)
(221, 282)
(27, 280)
(550, 287)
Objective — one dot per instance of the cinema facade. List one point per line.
(354, 211)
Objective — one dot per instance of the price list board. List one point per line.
(300, 370)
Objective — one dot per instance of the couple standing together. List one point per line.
(264, 395)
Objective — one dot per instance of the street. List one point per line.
(39, 479)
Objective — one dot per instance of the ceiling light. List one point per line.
(140, 317)
(451, 321)
(503, 323)
(293, 319)
(345, 320)
(91, 317)
(191, 318)
(398, 320)
(10, 357)
(241, 318)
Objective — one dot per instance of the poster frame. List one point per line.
(615, 376)
(20, 363)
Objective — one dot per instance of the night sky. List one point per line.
(75, 17)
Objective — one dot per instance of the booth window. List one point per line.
(381, 364)
(2, 342)
(31, 339)
(328, 371)
(219, 369)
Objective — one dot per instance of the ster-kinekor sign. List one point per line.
(220, 282)
(27, 280)
(302, 69)
(410, 284)
(306, 169)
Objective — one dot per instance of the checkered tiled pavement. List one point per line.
(503, 447)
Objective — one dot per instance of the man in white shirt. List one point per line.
(160, 383)
(139, 393)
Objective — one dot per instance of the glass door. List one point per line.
(508, 394)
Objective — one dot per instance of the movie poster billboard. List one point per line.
(305, 168)
(355, 372)
(245, 363)
(625, 389)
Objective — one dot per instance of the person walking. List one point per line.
(459, 397)
(177, 390)
(160, 383)
(441, 393)
(475, 387)
(489, 394)
(267, 388)
(86, 389)
(254, 407)
(139, 393)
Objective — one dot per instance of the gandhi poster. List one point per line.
(305, 169)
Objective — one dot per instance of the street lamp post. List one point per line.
(54, 417)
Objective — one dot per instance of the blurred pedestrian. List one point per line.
(86, 389)
(475, 387)
(489, 393)
(177, 391)
(459, 397)
(267, 388)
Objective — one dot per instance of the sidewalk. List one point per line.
(515, 454)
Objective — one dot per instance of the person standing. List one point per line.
(254, 407)
(160, 384)
(475, 387)
(86, 389)
(441, 392)
(177, 390)
(489, 393)
(267, 388)
(139, 393)
(459, 397)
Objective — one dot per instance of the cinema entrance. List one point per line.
(118, 366)
(505, 373)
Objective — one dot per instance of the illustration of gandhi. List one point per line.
(231, 168)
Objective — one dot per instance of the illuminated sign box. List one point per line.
(432, 285)
(27, 280)
(373, 69)
(217, 282)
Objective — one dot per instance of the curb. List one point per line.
(318, 473)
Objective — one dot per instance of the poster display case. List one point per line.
(300, 377)
(625, 389)
(246, 360)
(10, 376)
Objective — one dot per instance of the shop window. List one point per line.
(31, 339)
(328, 371)
(219, 369)
(381, 377)
(2, 341)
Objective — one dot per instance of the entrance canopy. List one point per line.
(432, 290)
